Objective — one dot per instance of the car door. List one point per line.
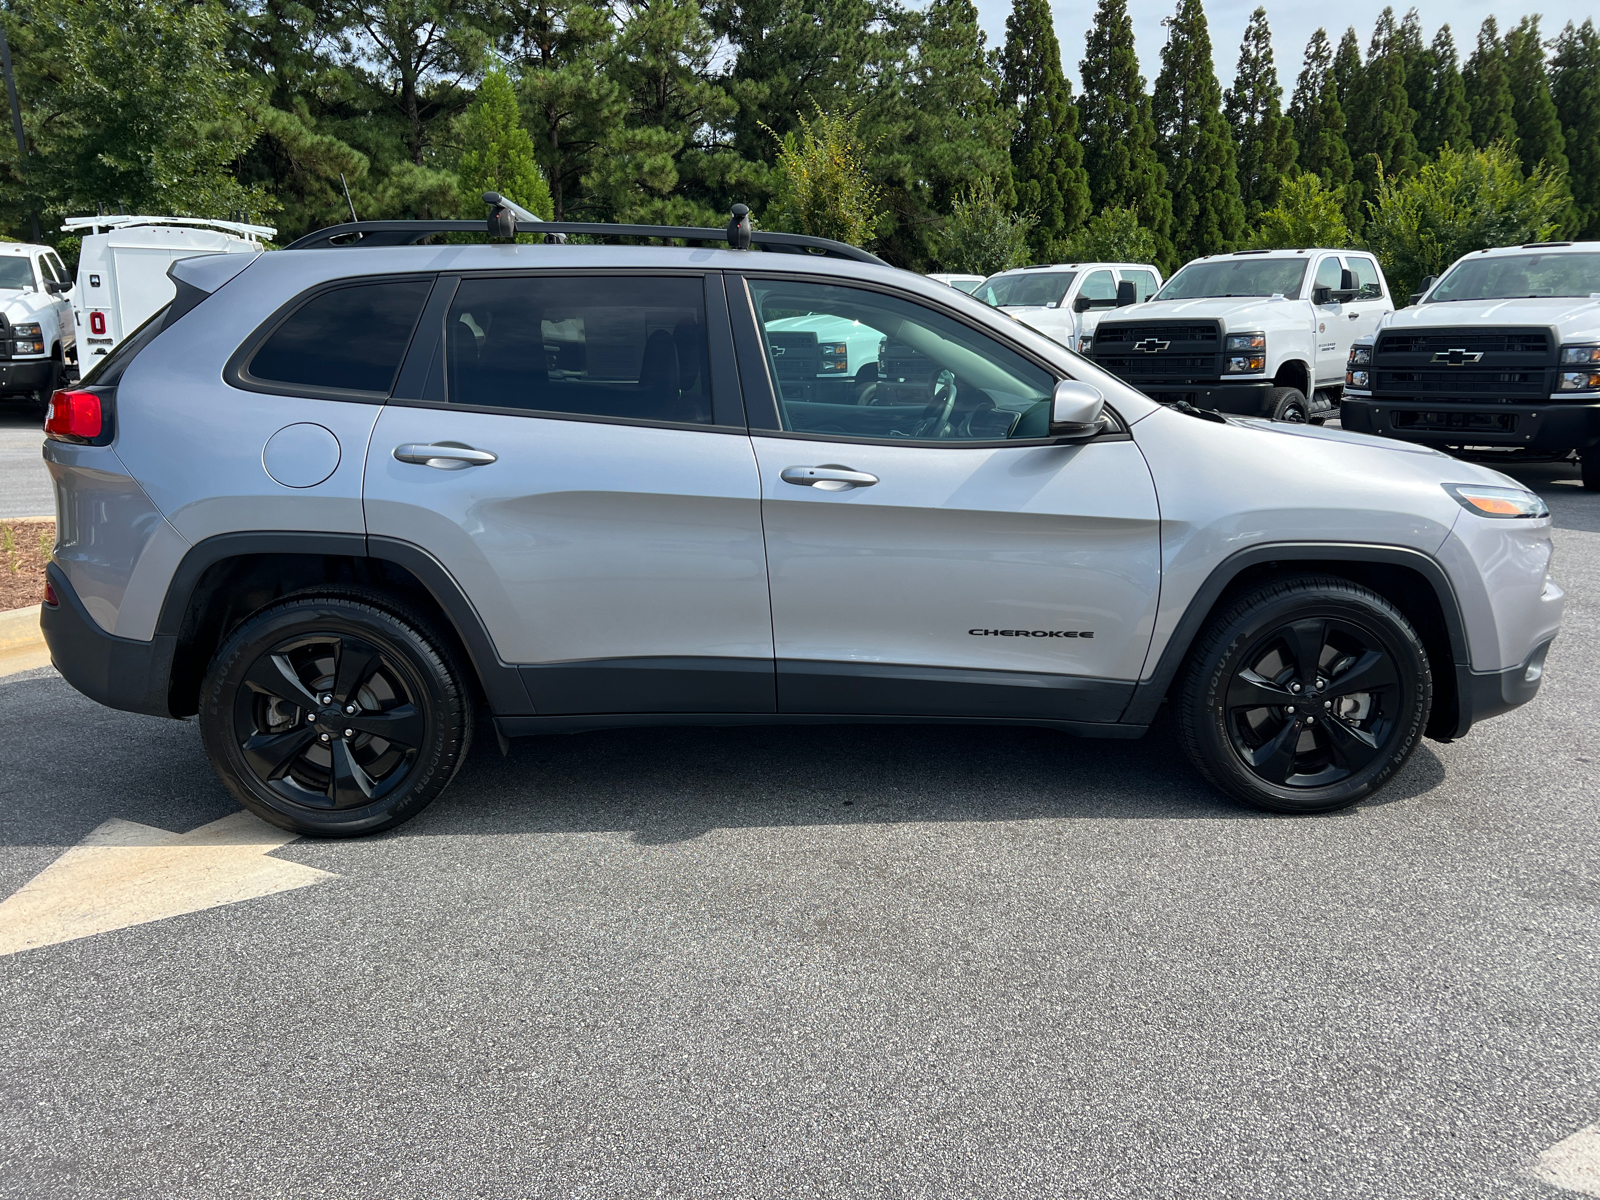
(1333, 322)
(1370, 302)
(931, 550)
(571, 446)
(1100, 289)
(65, 328)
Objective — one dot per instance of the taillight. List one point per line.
(74, 416)
(97, 322)
(50, 600)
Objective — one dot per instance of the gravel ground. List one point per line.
(831, 962)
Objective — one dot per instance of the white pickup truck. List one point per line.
(1065, 301)
(37, 338)
(1500, 360)
(1257, 333)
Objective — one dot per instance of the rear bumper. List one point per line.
(27, 375)
(1540, 428)
(1481, 695)
(117, 672)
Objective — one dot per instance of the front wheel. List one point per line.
(1305, 696)
(1288, 404)
(334, 715)
(1589, 468)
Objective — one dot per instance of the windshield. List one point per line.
(1514, 276)
(1033, 290)
(15, 272)
(965, 285)
(1236, 277)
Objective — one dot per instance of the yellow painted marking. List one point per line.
(1573, 1163)
(126, 874)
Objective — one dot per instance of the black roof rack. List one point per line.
(506, 220)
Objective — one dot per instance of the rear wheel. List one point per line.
(335, 715)
(1288, 404)
(1589, 466)
(1305, 696)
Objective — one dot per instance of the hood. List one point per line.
(1235, 310)
(1576, 317)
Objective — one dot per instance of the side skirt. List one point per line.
(585, 723)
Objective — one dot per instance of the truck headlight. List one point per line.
(1581, 380)
(1244, 353)
(1360, 356)
(835, 357)
(29, 339)
(1501, 502)
(1357, 379)
(1085, 343)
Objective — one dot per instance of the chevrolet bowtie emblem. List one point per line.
(1456, 358)
(1150, 345)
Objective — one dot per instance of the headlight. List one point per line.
(1360, 356)
(1503, 502)
(29, 339)
(1085, 343)
(1580, 354)
(1357, 379)
(1245, 353)
(1578, 381)
(1245, 341)
(835, 357)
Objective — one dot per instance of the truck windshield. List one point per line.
(1236, 277)
(1033, 290)
(15, 272)
(1516, 276)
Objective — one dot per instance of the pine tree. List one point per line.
(1575, 87)
(1442, 120)
(1319, 121)
(1347, 67)
(497, 153)
(1265, 137)
(1193, 141)
(1381, 117)
(1489, 100)
(1046, 156)
(1539, 137)
(1118, 134)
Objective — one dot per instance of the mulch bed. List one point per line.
(24, 550)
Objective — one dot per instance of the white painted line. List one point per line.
(126, 874)
(1572, 1163)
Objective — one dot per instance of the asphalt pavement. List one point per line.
(24, 482)
(841, 962)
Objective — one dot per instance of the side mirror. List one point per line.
(55, 287)
(1427, 282)
(1321, 294)
(1126, 293)
(1076, 410)
(1347, 280)
(1082, 304)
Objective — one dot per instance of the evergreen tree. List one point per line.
(1113, 235)
(1539, 137)
(1443, 118)
(1489, 100)
(1381, 117)
(1575, 87)
(1119, 137)
(1319, 120)
(1193, 141)
(1347, 67)
(1046, 156)
(1264, 135)
(497, 153)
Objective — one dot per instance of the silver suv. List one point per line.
(347, 500)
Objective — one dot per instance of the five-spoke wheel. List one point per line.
(332, 715)
(1305, 695)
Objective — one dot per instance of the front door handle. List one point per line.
(444, 456)
(1353, 316)
(830, 477)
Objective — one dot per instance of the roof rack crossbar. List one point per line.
(738, 234)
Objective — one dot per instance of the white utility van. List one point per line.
(122, 269)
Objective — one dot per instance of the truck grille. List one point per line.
(1157, 351)
(1469, 363)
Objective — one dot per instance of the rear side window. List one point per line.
(348, 339)
(1144, 284)
(1366, 273)
(1099, 286)
(600, 346)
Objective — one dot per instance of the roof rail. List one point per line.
(506, 220)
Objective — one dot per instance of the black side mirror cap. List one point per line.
(1082, 304)
(1126, 293)
(56, 287)
(1321, 294)
(1347, 280)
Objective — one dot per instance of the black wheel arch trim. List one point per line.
(502, 684)
(1152, 690)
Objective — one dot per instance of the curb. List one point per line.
(22, 645)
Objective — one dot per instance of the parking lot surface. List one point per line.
(857, 961)
(24, 482)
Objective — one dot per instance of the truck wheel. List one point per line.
(1289, 405)
(335, 714)
(1589, 466)
(1305, 695)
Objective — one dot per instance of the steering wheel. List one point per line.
(934, 425)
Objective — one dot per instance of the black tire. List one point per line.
(281, 749)
(1276, 755)
(1288, 404)
(1589, 468)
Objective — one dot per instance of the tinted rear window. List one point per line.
(349, 339)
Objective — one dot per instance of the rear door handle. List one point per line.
(830, 477)
(444, 456)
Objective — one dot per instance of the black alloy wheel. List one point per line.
(331, 715)
(1305, 695)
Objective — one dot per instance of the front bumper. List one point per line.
(1246, 398)
(118, 672)
(27, 375)
(1554, 427)
(1481, 695)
